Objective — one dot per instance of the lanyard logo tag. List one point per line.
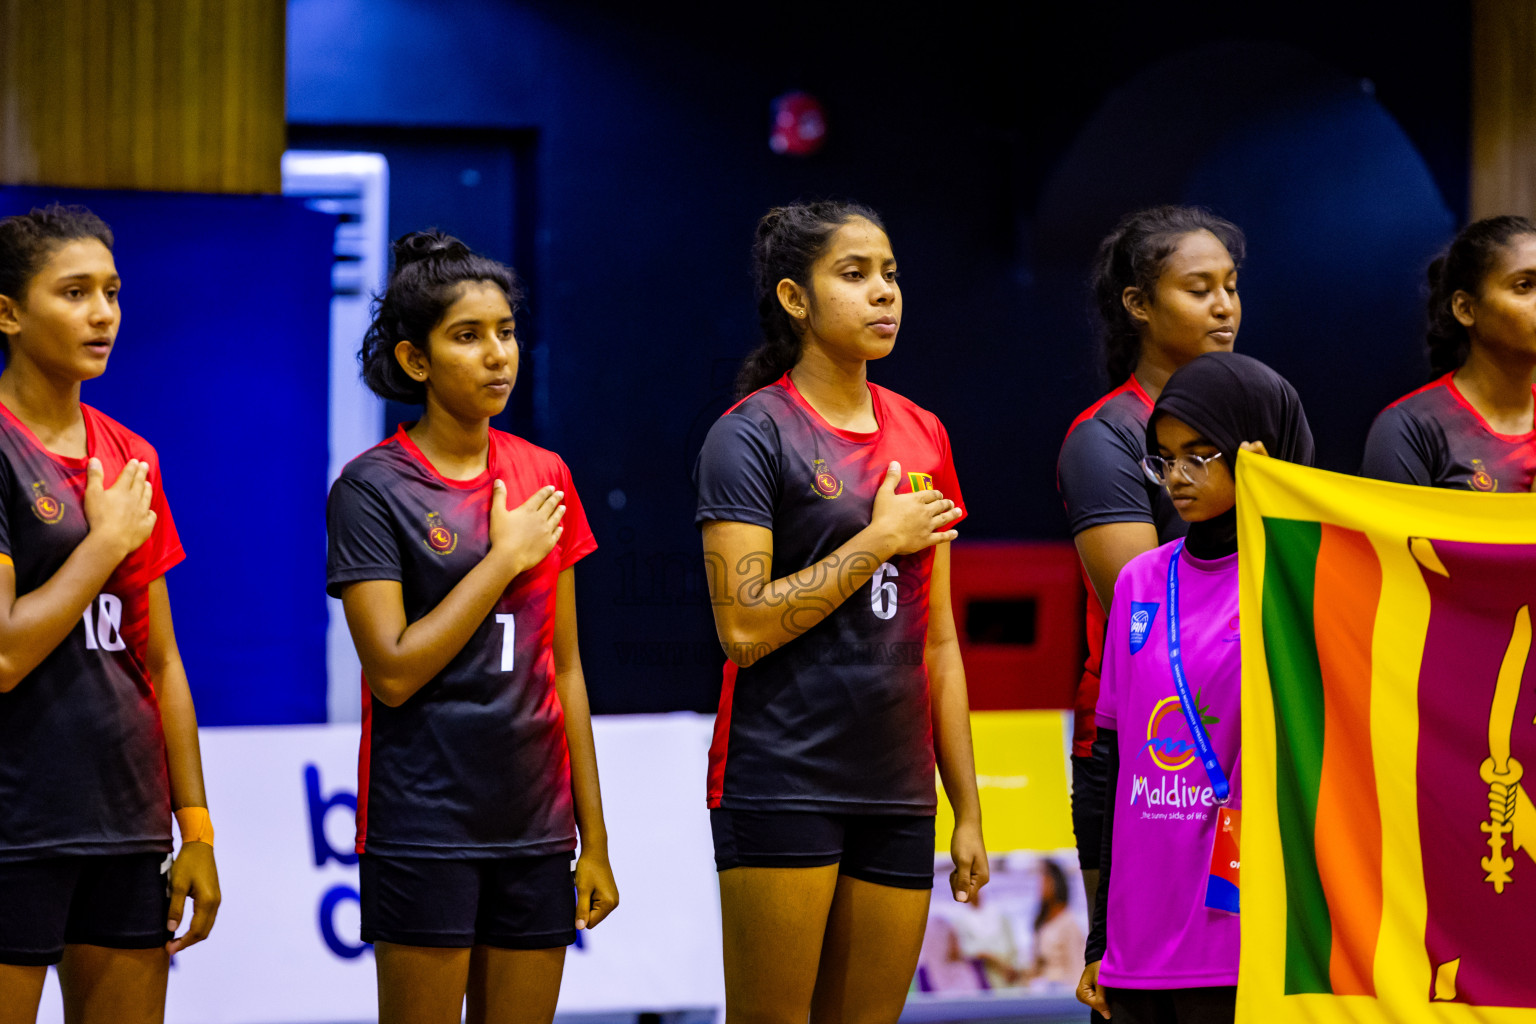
(1142, 614)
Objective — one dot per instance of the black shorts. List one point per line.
(1088, 785)
(886, 849)
(509, 902)
(1172, 1005)
(119, 901)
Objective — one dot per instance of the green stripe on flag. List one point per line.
(1296, 682)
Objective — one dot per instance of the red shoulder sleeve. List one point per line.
(163, 549)
(945, 479)
(577, 542)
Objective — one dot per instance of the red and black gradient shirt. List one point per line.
(837, 720)
(1434, 438)
(82, 751)
(1099, 477)
(475, 763)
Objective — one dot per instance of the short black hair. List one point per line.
(429, 268)
(1132, 256)
(27, 240)
(1461, 268)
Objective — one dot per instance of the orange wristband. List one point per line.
(195, 825)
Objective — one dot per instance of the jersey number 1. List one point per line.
(508, 641)
(882, 591)
(105, 634)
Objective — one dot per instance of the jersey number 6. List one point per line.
(882, 591)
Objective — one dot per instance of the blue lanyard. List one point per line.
(1219, 784)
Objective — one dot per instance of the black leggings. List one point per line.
(1171, 1005)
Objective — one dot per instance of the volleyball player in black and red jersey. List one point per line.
(827, 504)
(1471, 428)
(98, 736)
(452, 548)
(1165, 291)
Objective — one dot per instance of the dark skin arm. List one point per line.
(194, 872)
(755, 614)
(596, 893)
(952, 734)
(400, 658)
(35, 623)
(1105, 549)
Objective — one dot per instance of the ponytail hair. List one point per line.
(1132, 256)
(429, 268)
(1461, 268)
(789, 241)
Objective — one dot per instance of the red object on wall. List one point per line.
(799, 125)
(1019, 611)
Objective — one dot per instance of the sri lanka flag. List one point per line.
(1389, 739)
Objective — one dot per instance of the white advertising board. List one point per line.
(286, 948)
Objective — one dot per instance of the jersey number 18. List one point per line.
(105, 633)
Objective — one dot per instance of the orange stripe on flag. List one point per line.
(1348, 588)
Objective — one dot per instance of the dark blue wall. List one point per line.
(998, 149)
(1341, 213)
(221, 364)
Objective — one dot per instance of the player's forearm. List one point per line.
(1105, 549)
(178, 717)
(397, 669)
(586, 793)
(761, 615)
(951, 709)
(35, 623)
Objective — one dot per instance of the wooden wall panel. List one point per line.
(1503, 108)
(175, 95)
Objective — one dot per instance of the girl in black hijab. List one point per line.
(1230, 399)
(1166, 942)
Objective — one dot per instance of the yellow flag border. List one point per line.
(1388, 514)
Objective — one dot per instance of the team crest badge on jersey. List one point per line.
(920, 481)
(1482, 480)
(44, 505)
(439, 537)
(824, 483)
(1142, 614)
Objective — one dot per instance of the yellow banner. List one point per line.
(1021, 773)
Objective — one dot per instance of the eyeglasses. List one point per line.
(1194, 467)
